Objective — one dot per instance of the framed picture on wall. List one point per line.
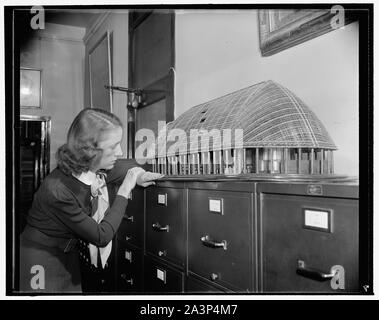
(30, 88)
(285, 28)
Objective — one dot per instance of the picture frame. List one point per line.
(280, 29)
(30, 88)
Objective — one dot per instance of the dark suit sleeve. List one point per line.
(119, 171)
(62, 204)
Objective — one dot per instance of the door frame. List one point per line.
(45, 139)
(166, 83)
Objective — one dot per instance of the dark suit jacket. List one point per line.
(61, 207)
(61, 212)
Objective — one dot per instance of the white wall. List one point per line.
(117, 24)
(217, 52)
(59, 52)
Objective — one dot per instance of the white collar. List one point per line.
(87, 178)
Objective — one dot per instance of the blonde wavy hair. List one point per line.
(81, 152)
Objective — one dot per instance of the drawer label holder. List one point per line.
(161, 275)
(162, 199)
(128, 255)
(317, 219)
(216, 205)
(314, 190)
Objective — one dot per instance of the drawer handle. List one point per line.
(209, 242)
(129, 281)
(313, 273)
(129, 218)
(158, 227)
(162, 253)
(214, 276)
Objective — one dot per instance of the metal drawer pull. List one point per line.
(209, 242)
(162, 253)
(313, 273)
(129, 218)
(158, 227)
(129, 281)
(214, 276)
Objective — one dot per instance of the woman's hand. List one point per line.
(146, 178)
(129, 182)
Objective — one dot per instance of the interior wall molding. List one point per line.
(95, 26)
(60, 32)
(46, 37)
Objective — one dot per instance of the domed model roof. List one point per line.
(269, 115)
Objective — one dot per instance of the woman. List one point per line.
(62, 214)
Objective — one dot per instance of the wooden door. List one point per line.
(151, 68)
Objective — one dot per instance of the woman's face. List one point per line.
(110, 143)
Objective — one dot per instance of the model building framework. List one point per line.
(280, 134)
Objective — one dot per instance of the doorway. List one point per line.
(34, 159)
(152, 69)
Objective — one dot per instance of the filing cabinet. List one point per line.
(165, 233)
(220, 237)
(162, 278)
(309, 238)
(130, 245)
(196, 284)
(235, 236)
(131, 229)
(130, 262)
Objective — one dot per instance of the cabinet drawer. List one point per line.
(164, 224)
(129, 268)
(306, 238)
(195, 285)
(220, 237)
(161, 278)
(131, 227)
